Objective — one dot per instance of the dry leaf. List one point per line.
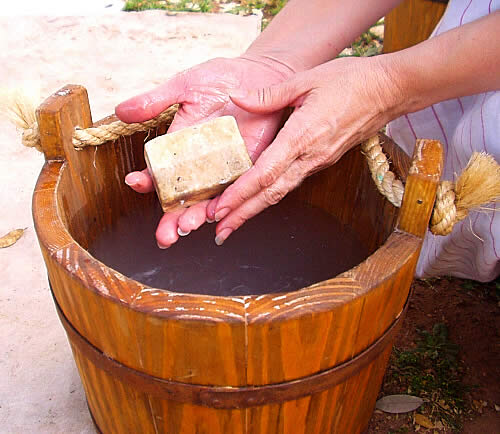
(439, 425)
(424, 421)
(399, 403)
(478, 406)
(443, 404)
(11, 238)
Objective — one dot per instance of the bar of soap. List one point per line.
(196, 163)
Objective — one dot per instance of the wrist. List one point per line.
(394, 86)
(277, 62)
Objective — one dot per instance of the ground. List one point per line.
(470, 312)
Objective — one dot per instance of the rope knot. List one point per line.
(478, 184)
(31, 137)
(444, 214)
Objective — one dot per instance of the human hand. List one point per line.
(337, 105)
(203, 92)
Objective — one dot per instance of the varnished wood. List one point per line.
(399, 161)
(230, 397)
(410, 23)
(222, 342)
(421, 186)
(57, 116)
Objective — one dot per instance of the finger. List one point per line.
(192, 218)
(258, 131)
(140, 181)
(272, 98)
(146, 106)
(166, 232)
(271, 164)
(179, 122)
(265, 198)
(211, 209)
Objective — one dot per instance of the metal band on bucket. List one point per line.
(227, 396)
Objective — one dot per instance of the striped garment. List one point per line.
(463, 125)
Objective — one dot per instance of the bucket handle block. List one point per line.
(58, 116)
(421, 186)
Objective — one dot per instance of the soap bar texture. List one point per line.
(196, 163)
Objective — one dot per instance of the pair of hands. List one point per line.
(336, 105)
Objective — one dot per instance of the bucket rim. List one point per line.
(398, 251)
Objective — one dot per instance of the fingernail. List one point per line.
(222, 236)
(161, 246)
(182, 233)
(209, 220)
(131, 179)
(219, 215)
(238, 93)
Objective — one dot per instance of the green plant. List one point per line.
(205, 5)
(365, 45)
(247, 7)
(432, 371)
(274, 6)
(269, 9)
(142, 5)
(180, 6)
(484, 290)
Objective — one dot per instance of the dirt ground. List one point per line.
(470, 310)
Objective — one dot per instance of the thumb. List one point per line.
(150, 104)
(270, 99)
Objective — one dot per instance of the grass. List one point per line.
(181, 5)
(484, 290)
(269, 9)
(368, 44)
(432, 371)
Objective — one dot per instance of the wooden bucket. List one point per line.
(151, 361)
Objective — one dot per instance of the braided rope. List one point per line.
(385, 180)
(95, 136)
(31, 137)
(444, 215)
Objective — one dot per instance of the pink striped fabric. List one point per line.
(463, 125)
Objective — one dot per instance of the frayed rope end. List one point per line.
(479, 183)
(20, 109)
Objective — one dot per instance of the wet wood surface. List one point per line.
(244, 341)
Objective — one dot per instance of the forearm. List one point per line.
(463, 61)
(307, 33)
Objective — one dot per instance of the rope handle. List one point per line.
(95, 136)
(478, 184)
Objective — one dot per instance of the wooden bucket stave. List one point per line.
(195, 353)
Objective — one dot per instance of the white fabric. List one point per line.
(463, 125)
